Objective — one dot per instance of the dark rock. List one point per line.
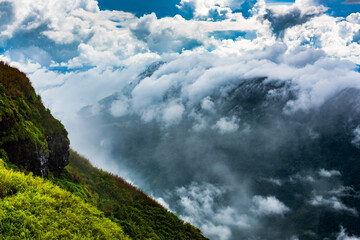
(30, 136)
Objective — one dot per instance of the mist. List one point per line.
(242, 161)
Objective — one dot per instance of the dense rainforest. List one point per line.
(49, 191)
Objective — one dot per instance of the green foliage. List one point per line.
(17, 128)
(33, 208)
(28, 131)
(75, 188)
(139, 215)
(19, 103)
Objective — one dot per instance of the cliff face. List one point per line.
(30, 136)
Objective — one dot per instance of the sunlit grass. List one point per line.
(34, 208)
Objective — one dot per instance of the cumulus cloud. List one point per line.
(162, 202)
(268, 206)
(119, 108)
(198, 203)
(31, 15)
(353, 18)
(165, 35)
(274, 181)
(213, 9)
(227, 125)
(219, 232)
(94, 37)
(356, 139)
(344, 236)
(207, 104)
(332, 202)
(302, 178)
(343, 191)
(331, 35)
(173, 113)
(287, 16)
(329, 174)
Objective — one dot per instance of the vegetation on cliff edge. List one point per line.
(140, 216)
(34, 208)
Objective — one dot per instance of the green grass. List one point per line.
(33, 208)
(140, 216)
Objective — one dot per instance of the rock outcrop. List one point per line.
(30, 136)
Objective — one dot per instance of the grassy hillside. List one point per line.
(33, 208)
(139, 215)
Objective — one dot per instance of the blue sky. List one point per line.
(164, 8)
(340, 8)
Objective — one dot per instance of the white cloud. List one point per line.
(356, 140)
(294, 238)
(302, 178)
(120, 107)
(173, 113)
(200, 206)
(207, 104)
(354, 18)
(332, 202)
(268, 206)
(344, 236)
(333, 35)
(162, 202)
(227, 125)
(30, 15)
(274, 181)
(230, 217)
(208, 8)
(344, 191)
(329, 173)
(200, 121)
(217, 232)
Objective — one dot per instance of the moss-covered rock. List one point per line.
(30, 136)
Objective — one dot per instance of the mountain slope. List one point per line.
(139, 215)
(90, 203)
